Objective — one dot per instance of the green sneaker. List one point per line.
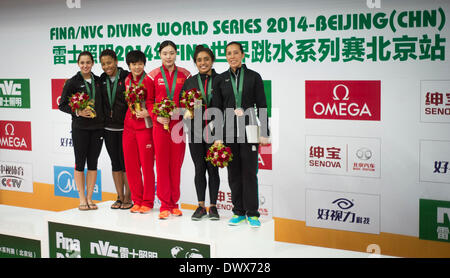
(236, 220)
(253, 221)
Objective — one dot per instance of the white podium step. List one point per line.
(118, 233)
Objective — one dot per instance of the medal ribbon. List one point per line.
(238, 94)
(88, 89)
(112, 95)
(174, 83)
(202, 89)
(140, 81)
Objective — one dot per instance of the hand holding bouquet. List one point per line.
(219, 155)
(190, 100)
(164, 109)
(135, 96)
(81, 101)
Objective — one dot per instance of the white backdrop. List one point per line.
(396, 139)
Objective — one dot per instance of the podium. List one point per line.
(120, 234)
(108, 233)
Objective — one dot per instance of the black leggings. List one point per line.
(113, 143)
(243, 180)
(198, 154)
(87, 145)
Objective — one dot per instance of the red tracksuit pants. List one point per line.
(139, 157)
(169, 159)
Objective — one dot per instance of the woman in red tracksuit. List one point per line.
(167, 81)
(137, 140)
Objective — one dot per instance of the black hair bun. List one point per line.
(199, 47)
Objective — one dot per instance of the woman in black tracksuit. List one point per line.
(115, 107)
(198, 142)
(87, 132)
(237, 92)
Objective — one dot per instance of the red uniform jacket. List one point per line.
(130, 119)
(159, 88)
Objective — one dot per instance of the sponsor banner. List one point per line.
(18, 247)
(343, 211)
(65, 183)
(434, 222)
(265, 157)
(225, 205)
(265, 152)
(69, 241)
(343, 100)
(16, 176)
(57, 88)
(15, 135)
(14, 93)
(434, 161)
(349, 156)
(62, 138)
(435, 101)
(268, 92)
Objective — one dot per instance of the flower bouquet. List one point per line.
(81, 101)
(219, 155)
(164, 109)
(190, 100)
(135, 96)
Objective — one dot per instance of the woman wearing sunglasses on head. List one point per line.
(87, 127)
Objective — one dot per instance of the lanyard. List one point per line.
(174, 83)
(112, 96)
(92, 96)
(206, 96)
(238, 94)
(140, 81)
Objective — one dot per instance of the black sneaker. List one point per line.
(199, 213)
(213, 214)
